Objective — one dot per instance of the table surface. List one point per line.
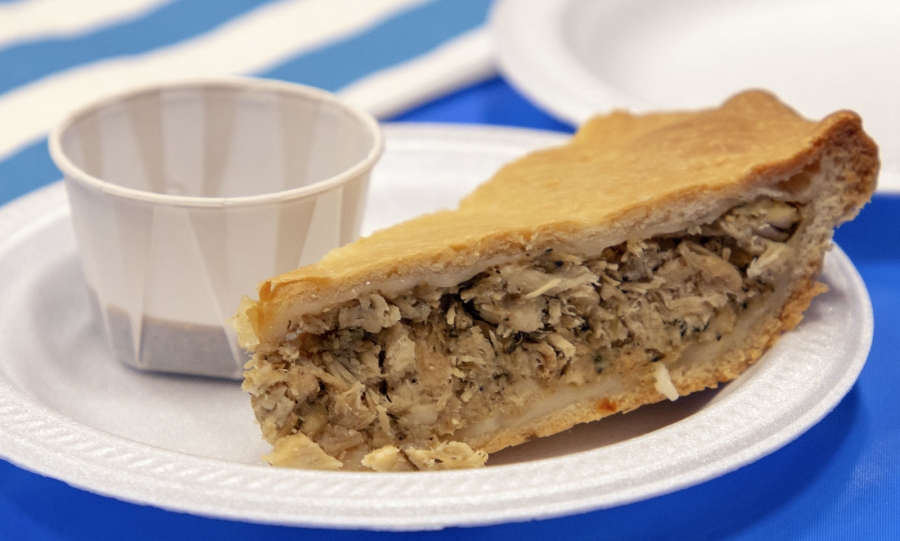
(839, 480)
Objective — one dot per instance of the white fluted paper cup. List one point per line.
(184, 196)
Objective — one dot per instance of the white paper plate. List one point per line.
(579, 57)
(67, 410)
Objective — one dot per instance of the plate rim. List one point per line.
(153, 479)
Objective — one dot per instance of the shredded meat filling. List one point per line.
(403, 374)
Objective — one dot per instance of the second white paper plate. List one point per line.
(577, 58)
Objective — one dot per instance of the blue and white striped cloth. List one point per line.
(384, 55)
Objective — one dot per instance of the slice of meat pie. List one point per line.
(651, 257)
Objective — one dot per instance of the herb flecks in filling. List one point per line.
(407, 373)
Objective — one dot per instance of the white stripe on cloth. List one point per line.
(460, 62)
(264, 37)
(28, 20)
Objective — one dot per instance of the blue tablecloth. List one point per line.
(840, 480)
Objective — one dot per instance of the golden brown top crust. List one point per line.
(618, 175)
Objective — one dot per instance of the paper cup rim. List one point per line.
(75, 173)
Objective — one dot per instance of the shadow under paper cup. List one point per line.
(185, 196)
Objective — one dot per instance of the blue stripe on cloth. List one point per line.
(26, 170)
(397, 39)
(171, 23)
